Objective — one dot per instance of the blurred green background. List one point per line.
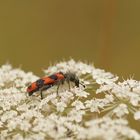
(106, 32)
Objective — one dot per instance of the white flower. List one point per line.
(61, 106)
(75, 113)
(108, 98)
(66, 96)
(134, 99)
(95, 105)
(121, 110)
(23, 107)
(77, 67)
(25, 125)
(102, 77)
(12, 124)
(8, 115)
(79, 92)
(104, 88)
(78, 105)
(18, 137)
(137, 115)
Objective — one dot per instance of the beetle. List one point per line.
(54, 79)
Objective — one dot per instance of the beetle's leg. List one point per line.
(58, 88)
(58, 85)
(45, 87)
(60, 82)
(68, 84)
(41, 94)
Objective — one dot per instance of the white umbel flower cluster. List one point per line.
(105, 109)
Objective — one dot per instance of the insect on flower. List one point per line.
(55, 79)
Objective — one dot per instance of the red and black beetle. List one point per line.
(54, 79)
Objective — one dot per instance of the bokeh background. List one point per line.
(106, 32)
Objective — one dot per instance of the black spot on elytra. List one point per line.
(40, 83)
(54, 77)
(45, 87)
